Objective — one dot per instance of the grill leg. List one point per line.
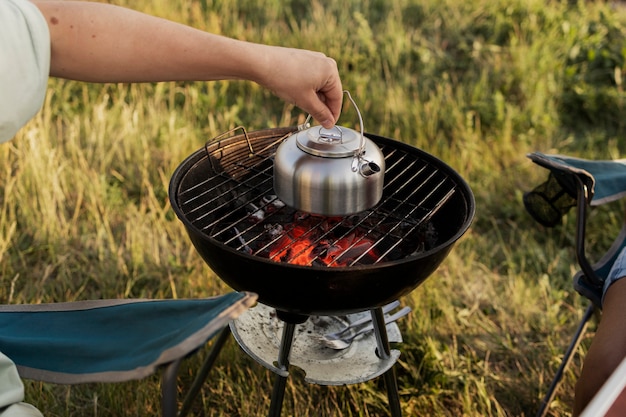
(384, 352)
(278, 392)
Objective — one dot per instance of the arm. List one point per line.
(99, 42)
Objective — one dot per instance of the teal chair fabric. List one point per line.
(606, 179)
(111, 340)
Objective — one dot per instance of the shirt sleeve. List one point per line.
(24, 64)
(11, 387)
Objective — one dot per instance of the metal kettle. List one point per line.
(331, 172)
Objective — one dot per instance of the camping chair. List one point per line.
(580, 183)
(117, 340)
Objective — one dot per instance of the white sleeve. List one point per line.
(24, 64)
(12, 391)
(11, 387)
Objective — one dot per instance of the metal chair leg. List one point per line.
(566, 360)
(169, 406)
(168, 389)
(204, 372)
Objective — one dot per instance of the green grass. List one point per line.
(478, 84)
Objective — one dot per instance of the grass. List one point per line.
(478, 84)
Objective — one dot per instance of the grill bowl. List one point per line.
(316, 290)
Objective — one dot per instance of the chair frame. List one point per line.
(587, 282)
(169, 378)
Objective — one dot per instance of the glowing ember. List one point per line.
(314, 240)
(348, 249)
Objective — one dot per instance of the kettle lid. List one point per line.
(337, 142)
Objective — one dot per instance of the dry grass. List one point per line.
(85, 214)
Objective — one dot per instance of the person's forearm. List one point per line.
(99, 42)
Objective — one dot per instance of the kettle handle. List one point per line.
(359, 152)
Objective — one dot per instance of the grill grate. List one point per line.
(234, 204)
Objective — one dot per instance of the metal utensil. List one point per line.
(357, 323)
(345, 342)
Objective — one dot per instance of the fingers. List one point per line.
(325, 108)
(325, 103)
(308, 79)
(333, 99)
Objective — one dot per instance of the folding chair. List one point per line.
(117, 340)
(580, 183)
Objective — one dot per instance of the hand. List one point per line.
(309, 80)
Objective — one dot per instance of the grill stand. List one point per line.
(289, 331)
(384, 352)
(289, 340)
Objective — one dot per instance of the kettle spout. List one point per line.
(369, 168)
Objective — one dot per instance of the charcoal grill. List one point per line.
(223, 194)
(218, 191)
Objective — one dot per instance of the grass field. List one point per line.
(478, 84)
